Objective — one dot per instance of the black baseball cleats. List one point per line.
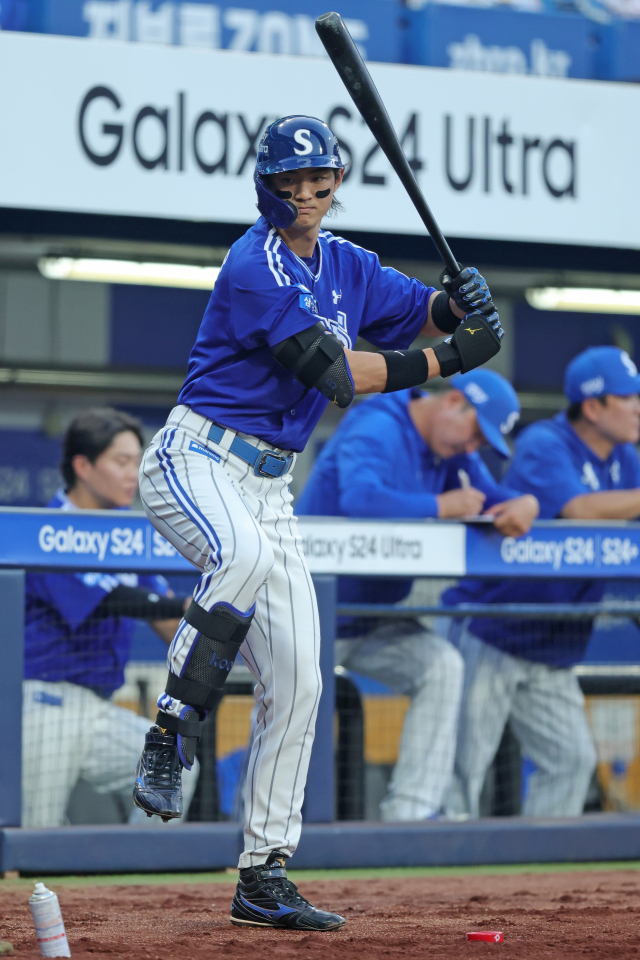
(266, 898)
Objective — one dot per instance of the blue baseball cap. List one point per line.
(496, 404)
(601, 370)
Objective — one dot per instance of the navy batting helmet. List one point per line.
(290, 144)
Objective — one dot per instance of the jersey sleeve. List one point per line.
(364, 464)
(267, 306)
(542, 465)
(156, 583)
(396, 308)
(630, 468)
(73, 596)
(479, 476)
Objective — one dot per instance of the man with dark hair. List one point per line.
(411, 454)
(582, 465)
(78, 631)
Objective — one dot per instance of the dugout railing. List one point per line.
(42, 540)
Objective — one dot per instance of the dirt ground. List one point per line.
(554, 915)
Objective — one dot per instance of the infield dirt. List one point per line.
(555, 915)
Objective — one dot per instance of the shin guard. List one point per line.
(222, 632)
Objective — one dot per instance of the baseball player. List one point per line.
(582, 465)
(275, 345)
(409, 454)
(78, 632)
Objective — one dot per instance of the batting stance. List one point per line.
(274, 346)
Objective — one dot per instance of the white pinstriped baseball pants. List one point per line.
(239, 530)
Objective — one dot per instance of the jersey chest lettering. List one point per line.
(336, 304)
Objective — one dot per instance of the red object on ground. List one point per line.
(489, 936)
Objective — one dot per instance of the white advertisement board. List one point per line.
(107, 127)
(359, 547)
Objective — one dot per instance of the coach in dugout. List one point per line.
(582, 465)
(78, 631)
(414, 455)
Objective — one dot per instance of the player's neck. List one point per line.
(301, 241)
(600, 445)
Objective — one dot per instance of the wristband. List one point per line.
(442, 315)
(405, 369)
(448, 358)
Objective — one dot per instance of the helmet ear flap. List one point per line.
(281, 213)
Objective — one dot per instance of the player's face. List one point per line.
(455, 430)
(112, 480)
(618, 420)
(311, 190)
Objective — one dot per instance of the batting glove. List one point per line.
(468, 290)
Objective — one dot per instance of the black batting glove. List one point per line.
(468, 290)
(475, 341)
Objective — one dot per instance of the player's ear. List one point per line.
(591, 409)
(81, 466)
(339, 174)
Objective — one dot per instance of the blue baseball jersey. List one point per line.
(264, 294)
(553, 463)
(377, 465)
(62, 640)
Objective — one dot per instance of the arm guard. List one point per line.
(317, 360)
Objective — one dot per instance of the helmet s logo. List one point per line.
(303, 137)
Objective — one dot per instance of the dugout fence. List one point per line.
(360, 719)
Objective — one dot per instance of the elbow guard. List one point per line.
(317, 360)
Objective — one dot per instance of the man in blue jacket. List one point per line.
(414, 455)
(582, 465)
(78, 633)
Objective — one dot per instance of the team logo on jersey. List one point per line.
(339, 328)
(337, 297)
(614, 471)
(309, 303)
(589, 477)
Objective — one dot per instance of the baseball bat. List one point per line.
(346, 58)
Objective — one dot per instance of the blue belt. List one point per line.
(264, 462)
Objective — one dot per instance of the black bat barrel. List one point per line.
(353, 72)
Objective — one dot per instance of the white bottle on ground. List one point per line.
(49, 925)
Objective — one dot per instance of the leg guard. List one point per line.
(222, 632)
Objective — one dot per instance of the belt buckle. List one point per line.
(261, 467)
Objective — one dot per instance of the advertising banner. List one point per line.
(283, 26)
(157, 131)
(115, 541)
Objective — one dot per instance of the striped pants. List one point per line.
(239, 531)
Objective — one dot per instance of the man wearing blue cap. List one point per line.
(413, 455)
(581, 465)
